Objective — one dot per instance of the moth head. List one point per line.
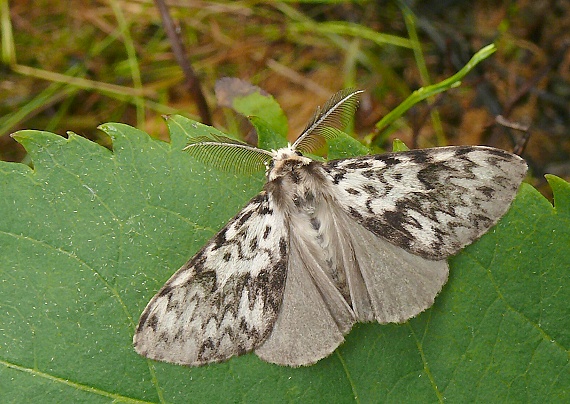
(284, 161)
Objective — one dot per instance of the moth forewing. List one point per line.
(224, 301)
(430, 202)
(325, 245)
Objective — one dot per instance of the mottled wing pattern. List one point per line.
(226, 299)
(431, 202)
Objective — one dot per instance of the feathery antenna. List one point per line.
(327, 122)
(228, 154)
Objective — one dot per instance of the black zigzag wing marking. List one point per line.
(430, 202)
(225, 300)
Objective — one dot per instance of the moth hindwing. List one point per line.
(325, 245)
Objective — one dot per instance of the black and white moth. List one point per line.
(325, 245)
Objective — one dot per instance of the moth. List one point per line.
(325, 245)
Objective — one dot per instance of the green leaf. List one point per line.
(263, 105)
(344, 146)
(398, 146)
(89, 235)
(267, 138)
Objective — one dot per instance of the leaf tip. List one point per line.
(560, 191)
(29, 137)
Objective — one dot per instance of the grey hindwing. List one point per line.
(225, 300)
(430, 202)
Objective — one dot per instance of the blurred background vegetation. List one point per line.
(72, 65)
